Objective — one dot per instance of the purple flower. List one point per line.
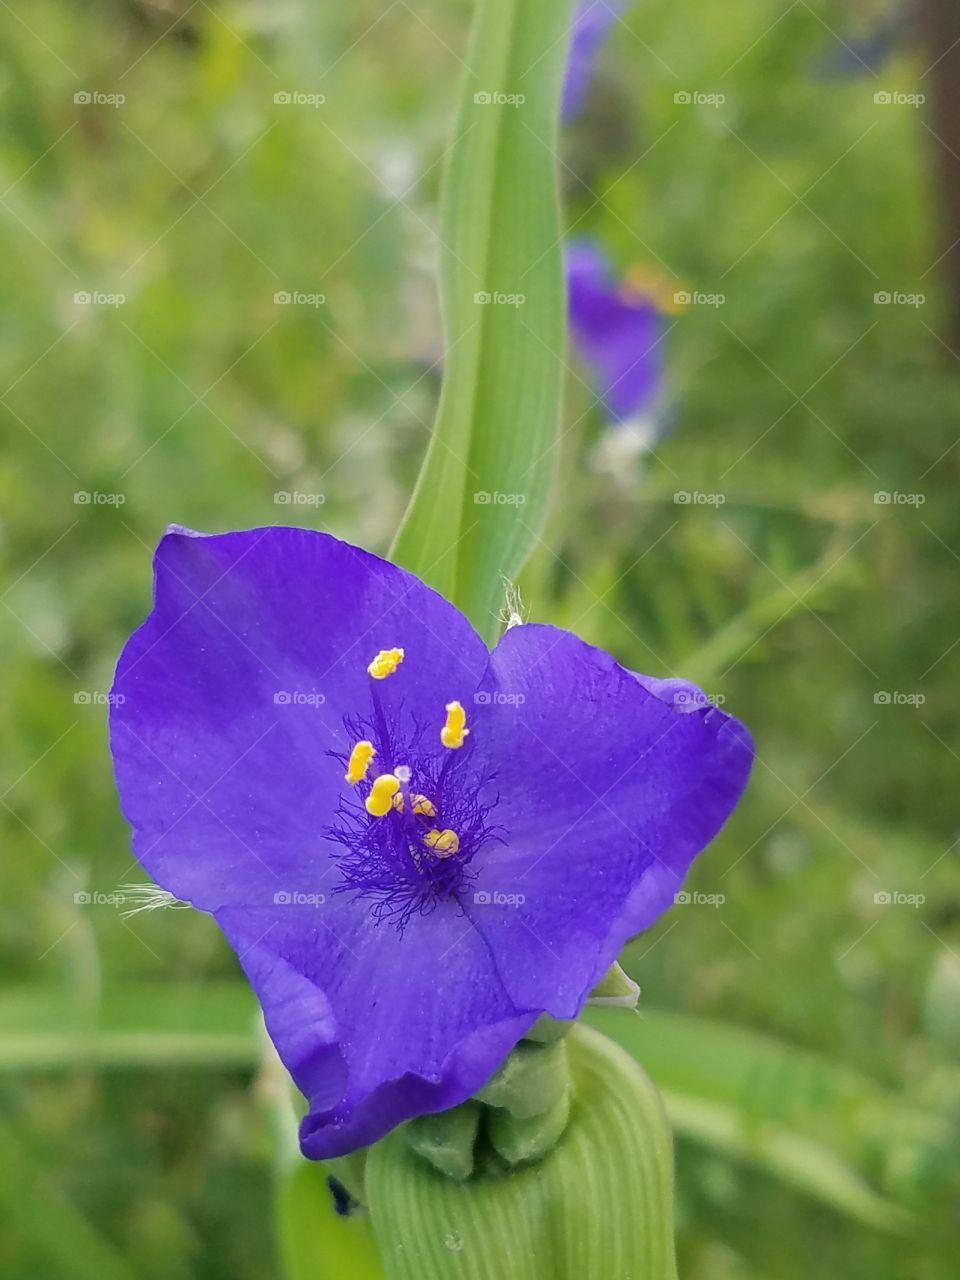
(854, 55)
(415, 846)
(617, 332)
(591, 21)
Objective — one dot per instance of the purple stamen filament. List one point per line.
(384, 859)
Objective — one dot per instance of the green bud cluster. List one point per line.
(562, 1167)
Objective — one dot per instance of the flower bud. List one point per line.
(597, 1206)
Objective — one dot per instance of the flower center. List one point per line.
(411, 819)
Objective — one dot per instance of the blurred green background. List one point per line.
(827, 619)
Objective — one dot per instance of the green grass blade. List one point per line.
(135, 1025)
(483, 489)
(802, 1163)
(811, 1123)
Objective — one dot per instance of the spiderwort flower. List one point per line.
(416, 847)
(617, 329)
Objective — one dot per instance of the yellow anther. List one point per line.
(380, 800)
(385, 663)
(443, 843)
(644, 284)
(421, 805)
(360, 758)
(455, 730)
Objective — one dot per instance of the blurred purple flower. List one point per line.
(617, 331)
(592, 20)
(285, 690)
(858, 54)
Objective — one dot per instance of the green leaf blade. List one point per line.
(483, 489)
(801, 1118)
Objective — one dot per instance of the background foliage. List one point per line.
(799, 599)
